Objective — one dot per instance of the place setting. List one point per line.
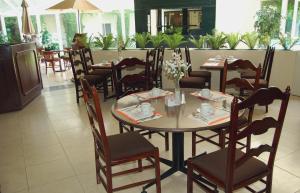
(152, 94)
(207, 94)
(140, 112)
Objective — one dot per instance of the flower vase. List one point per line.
(177, 91)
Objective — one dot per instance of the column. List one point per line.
(58, 30)
(283, 15)
(294, 24)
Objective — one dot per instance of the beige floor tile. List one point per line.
(42, 174)
(68, 185)
(290, 163)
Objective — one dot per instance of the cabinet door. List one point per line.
(27, 71)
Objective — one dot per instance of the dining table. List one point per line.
(217, 64)
(178, 120)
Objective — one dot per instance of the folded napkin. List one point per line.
(134, 114)
(215, 95)
(149, 95)
(211, 64)
(219, 116)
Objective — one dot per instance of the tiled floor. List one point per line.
(48, 147)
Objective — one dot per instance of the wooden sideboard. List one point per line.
(20, 77)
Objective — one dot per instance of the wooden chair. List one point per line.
(65, 58)
(157, 71)
(197, 73)
(266, 71)
(117, 149)
(189, 81)
(105, 73)
(78, 71)
(231, 168)
(236, 83)
(51, 58)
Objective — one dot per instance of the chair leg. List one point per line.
(248, 143)
(222, 137)
(194, 143)
(166, 141)
(269, 183)
(140, 165)
(121, 127)
(105, 89)
(189, 178)
(77, 93)
(109, 180)
(53, 67)
(157, 172)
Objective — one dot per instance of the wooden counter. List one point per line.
(20, 77)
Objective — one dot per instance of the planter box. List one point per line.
(285, 71)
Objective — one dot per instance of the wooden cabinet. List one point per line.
(20, 78)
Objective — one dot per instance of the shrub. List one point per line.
(157, 40)
(217, 40)
(104, 42)
(233, 40)
(287, 42)
(198, 42)
(250, 39)
(142, 39)
(174, 40)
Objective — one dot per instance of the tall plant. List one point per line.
(174, 40)
(264, 40)
(268, 21)
(104, 42)
(142, 39)
(233, 39)
(198, 42)
(157, 40)
(3, 38)
(216, 40)
(250, 39)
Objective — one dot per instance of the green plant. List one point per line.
(174, 40)
(287, 42)
(69, 23)
(122, 45)
(157, 40)
(3, 38)
(142, 39)
(104, 42)
(217, 40)
(250, 39)
(268, 21)
(198, 42)
(233, 39)
(264, 40)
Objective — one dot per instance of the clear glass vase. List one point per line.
(177, 91)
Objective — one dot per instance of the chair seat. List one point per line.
(101, 72)
(126, 145)
(93, 79)
(202, 73)
(262, 82)
(192, 82)
(214, 164)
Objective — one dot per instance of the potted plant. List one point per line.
(198, 42)
(216, 40)
(250, 39)
(157, 40)
(174, 40)
(287, 42)
(104, 42)
(142, 39)
(233, 39)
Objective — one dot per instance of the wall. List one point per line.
(236, 15)
(285, 69)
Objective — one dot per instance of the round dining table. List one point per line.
(176, 120)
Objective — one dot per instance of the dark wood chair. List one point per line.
(189, 81)
(106, 73)
(231, 168)
(236, 83)
(51, 59)
(78, 70)
(65, 58)
(197, 73)
(131, 83)
(266, 71)
(117, 149)
(157, 71)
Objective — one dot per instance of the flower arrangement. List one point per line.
(176, 68)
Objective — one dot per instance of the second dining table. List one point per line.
(176, 120)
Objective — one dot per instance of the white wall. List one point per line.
(236, 15)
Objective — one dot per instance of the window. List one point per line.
(106, 29)
(195, 18)
(12, 29)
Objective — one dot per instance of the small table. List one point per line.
(217, 64)
(175, 120)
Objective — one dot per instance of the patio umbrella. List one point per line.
(27, 27)
(79, 5)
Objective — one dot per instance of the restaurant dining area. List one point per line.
(146, 96)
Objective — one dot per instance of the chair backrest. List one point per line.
(124, 65)
(268, 70)
(48, 55)
(159, 62)
(239, 66)
(94, 112)
(188, 57)
(87, 58)
(77, 65)
(261, 97)
(151, 59)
